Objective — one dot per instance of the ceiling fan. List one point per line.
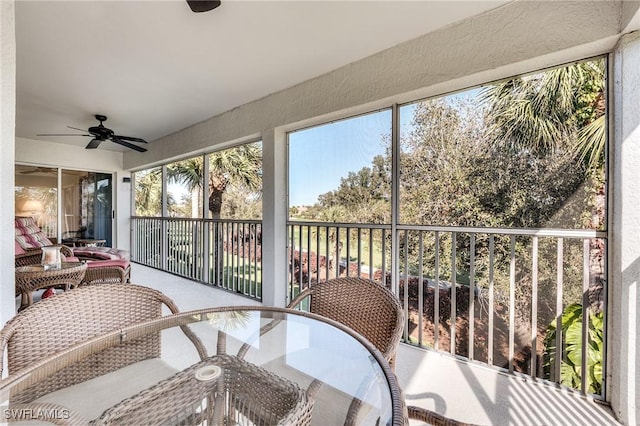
(101, 134)
(203, 5)
(24, 170)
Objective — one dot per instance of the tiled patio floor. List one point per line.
(464, 391)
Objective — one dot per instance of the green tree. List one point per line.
(148, 192)
(240, 167)
(366, 194)
(560, 109)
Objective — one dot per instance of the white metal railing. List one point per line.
(221, 253)
(508, 288)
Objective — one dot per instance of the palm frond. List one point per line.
(591, 143)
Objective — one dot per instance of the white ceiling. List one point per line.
(155, 67)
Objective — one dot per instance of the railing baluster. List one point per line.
(491, 296)
(327, 250)
(406, 282)
(359, 249)
(420, 285)
(585, 315)
(337, 251)
(436, 294)
(348, 254)
(384, 256)
(472, 259)
(534, 307)
(512, 300)
(453, 295)
(559, 308)
(309, 254)
(371, 273)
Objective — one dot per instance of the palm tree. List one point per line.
(241, 166)
(148, 192)
(236, 166)
(560, 109)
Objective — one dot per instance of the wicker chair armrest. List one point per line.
(5, 336)
(66, 251)
(197, 343)
(300, 297)
(34, 256)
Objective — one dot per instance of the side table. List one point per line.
(34, 277)
(83, 242)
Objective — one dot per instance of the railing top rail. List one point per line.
(539, 232)
(339, 224)
(187, 219)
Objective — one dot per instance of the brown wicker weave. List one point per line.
(59, 322)
(34, 256)
(34, 277)
(432, 418)
(33, 375)
(107, 274)
(243, 394)
(367, 307)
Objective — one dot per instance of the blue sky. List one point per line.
(320, 156)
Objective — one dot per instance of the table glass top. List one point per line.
(40, 268)
(335, 367)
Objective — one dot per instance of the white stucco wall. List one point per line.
(41, 153)
(7, 136)
(624, 264)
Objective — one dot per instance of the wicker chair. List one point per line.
(59, 322)
(432, 418)
(367, 307)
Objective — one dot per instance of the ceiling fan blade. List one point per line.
(130, 138)
(60, 134)
(127, 144)
(93, 144)
(75, 128)
(203, 5)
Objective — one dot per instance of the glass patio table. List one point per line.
(234, 365)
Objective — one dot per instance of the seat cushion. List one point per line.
(29, 235)
(102, 253)
(122, 263)
(19, 249)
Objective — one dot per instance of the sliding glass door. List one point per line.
(85, 198)
(87, 205)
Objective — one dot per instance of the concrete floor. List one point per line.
(461, 390)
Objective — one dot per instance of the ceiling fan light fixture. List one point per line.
(203, 5)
